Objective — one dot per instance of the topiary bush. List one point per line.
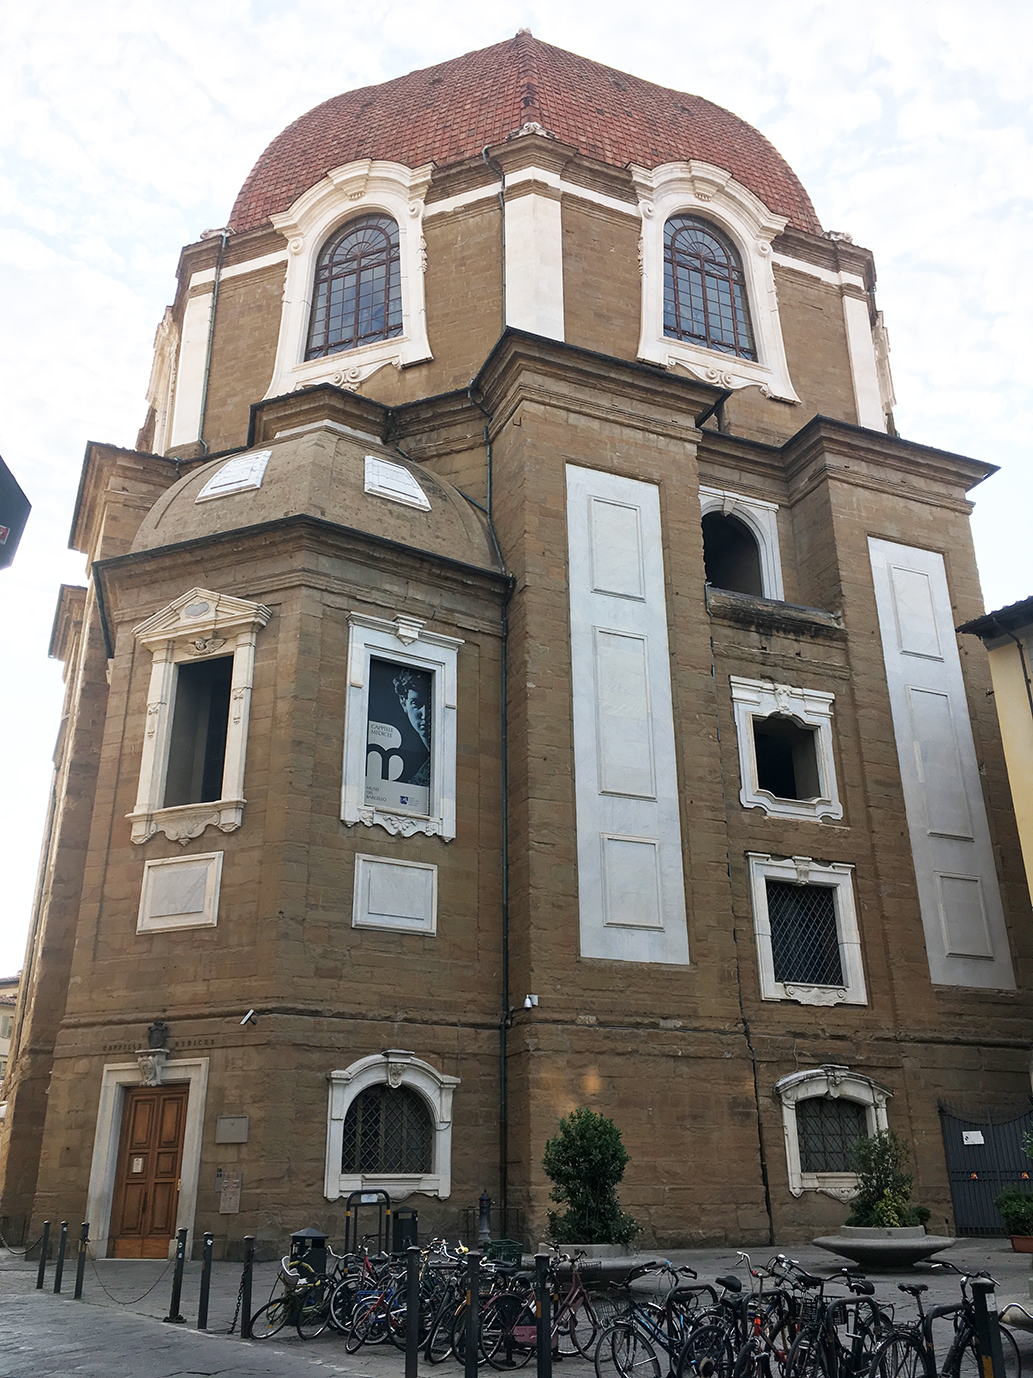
(884, 1188)
(585, 1161)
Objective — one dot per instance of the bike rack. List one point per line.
(352, 1210)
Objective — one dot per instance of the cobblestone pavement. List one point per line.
(116, 1331)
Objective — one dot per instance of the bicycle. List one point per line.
(909, 1351)
(303, 1303)
(628, 1347)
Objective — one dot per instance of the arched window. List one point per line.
(387, 1130)
(358, 294)
(825, 1110)
(731, 559)
(705, 288)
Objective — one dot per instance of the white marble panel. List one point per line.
(917, 633)
(631, 882)
(963, 914)
(939, 763)
(401, 895)
(622, 715)
(616, 536)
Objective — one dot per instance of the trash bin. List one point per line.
(405, 1229)
(309, 1246)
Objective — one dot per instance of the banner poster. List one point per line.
(398, 737)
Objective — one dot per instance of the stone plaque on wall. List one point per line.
(229, 1193)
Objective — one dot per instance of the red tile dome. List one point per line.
(448, 113)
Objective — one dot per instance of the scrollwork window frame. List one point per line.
(837, 1083)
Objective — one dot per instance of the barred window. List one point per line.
(387, 1130)
(705, 288)
(827, 1130)
(804, 934)
(358, 288)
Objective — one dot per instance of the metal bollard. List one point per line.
(206, 1281)
(43, 1251)
(412, 1310)
(60, 1269)
(80, 1262)
(245, 1287)
(174, 1318)
(543, 1315)
(473, 1313)
(484, 1219)
(988, 1329)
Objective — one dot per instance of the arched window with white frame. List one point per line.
(825, 1111)
(357, 294)
(705, 300)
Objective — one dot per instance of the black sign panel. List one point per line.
(398, 735)
(14, 511)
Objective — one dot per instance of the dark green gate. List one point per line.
(984, 1155)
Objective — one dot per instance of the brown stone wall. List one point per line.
(602, 287)
(247, 326)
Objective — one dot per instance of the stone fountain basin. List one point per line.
(875, 1247)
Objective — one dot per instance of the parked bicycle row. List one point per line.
(768, 1321)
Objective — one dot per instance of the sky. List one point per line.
(127, 127)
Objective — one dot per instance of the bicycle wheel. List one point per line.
(342, 1303)
(710, 1343)
(314, 1315)
(963, 1361)
(621, 1352)
(753, 1361)
(439, 1341)
(900, 1355)
(508, 1330)
(271, 1319)
(809, 1357)
(577, 1329)
(368, 1324)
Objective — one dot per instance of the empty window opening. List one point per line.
(787, 758)
(730, 555)
(197, 747)
(387, 1131)
(804, 934)
(827, 1130)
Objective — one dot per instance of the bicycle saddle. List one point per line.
(861, 1288)
(729, 1283)
(915, 1288)
(809, 1280)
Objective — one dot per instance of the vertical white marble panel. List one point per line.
(624, 729)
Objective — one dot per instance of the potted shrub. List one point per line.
(883, 1187)
(1016, 1208)
(585, 1161)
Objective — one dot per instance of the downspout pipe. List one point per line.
(1022, 662)
(500, 174)
(505, 1013)
(224, 234)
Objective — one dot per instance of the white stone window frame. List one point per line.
(394, 1067)
(756, 699)
(699, 188)
(403, 641)
(802, 870)
(197, 625)
(206, 917)
(761, 519)
(364, 187)
(837, 1083)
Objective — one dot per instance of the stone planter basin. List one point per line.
(874, 1247)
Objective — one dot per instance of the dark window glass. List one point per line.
(358, 288)
(787, 762)
(387, 1131)
(398, 737)
(804, 934)
(704, 288)
(197, 744)
(731, 559)
(826, 1130)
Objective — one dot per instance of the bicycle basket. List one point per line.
(612, 1304)
(504, 1251)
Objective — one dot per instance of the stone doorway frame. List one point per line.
(116, 1078)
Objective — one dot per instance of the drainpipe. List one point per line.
(505, 1012)
(1022, 662)
(500, 174)
(224, 235)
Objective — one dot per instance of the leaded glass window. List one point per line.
(387, 1130)
(358, 289)
(826, 1131)
(705, 288)
(804, 934)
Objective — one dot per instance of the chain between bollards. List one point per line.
(80, 1262)
(174, 1318)
(59, 1271)
(473, 1313)
(44, 1250)
(988, 1329)
(412, 1311)
(245, 1285)
(543, 1315)
(206, 1282)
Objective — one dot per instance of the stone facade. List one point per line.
(685, 1057)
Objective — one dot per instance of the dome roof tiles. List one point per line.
(448, 113)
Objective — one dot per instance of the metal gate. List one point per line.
(984, 1155)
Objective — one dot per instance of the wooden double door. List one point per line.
(150, 1155)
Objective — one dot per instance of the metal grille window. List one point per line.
(804, 934)
(387, 1131)
(705, 288)
(358, 291)
(827, 1129)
